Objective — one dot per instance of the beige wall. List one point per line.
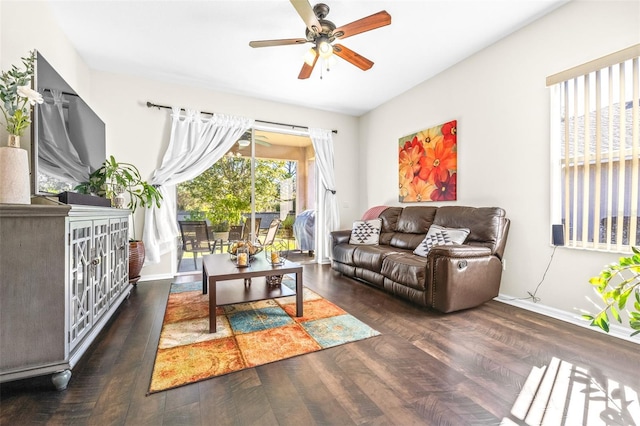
(501, 103)
(498, 97)
(138, 134)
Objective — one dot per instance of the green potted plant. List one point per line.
(114, 179)
(287, 226)
(617, 285)
(220, 231)
(17, 97)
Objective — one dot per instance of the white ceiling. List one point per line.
(206, 44)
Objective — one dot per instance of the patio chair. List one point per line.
(235, 232)
(271, 232)
(246, 229)
(195, 239)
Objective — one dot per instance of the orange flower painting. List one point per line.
(428, 164)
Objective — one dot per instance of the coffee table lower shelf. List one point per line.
(235, 291)
(226, 283)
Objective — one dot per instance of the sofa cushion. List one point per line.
(389, 222)
(406, 241)
(413, 224)
(370, 257)
(343, 253)
(486, 223)
(366, 232)
(441, 236)
(416, 219)
(406, 268)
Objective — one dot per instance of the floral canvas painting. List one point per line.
(428, 164)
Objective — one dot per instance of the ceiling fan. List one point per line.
(322, 33)
(245, 140)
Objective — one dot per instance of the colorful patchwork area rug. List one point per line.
(247, 334)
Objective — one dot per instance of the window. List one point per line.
(595, 152)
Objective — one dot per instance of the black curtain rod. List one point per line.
(152, 105)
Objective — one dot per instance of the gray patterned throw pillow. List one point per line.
(441, 236)
(366, 232)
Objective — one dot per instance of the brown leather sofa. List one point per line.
(450, 277)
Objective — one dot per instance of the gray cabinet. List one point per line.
(63, 274)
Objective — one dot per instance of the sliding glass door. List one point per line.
(265, 175)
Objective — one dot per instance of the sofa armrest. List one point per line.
(460, 251)
(461, 277)
(339, 237)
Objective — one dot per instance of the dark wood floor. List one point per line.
(466, 368)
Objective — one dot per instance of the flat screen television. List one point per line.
(69, 139)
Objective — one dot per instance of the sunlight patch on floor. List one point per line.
(565, 394)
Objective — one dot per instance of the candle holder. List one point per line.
(242, 257)
(274, 255)
(274, 280)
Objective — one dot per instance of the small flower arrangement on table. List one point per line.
(17, 97)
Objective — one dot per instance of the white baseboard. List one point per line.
(615, 329)
(156, 277)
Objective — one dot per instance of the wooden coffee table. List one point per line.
(239, 284)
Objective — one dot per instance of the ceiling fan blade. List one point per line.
(351, 56)
(305, 11)
(263, 143)
(281, 42)
(306, 70)
(369, 23)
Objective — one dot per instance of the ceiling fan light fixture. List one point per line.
(244, 142)
(310, 56)
(325, 49)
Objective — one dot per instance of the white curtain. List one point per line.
(58, 157)
(195, 144)
(323, 146)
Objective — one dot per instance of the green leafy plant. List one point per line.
(288, 222)
(617, 285)
(17, 96)
(220, 227)
(115, 178)
(217, 224)
(195, 215)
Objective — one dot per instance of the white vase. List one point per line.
(14, 141)
(14, 173)
(119, 200)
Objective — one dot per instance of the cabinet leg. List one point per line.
(61, 379)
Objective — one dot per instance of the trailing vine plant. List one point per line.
(617, 285)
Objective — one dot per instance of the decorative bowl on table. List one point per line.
(244, 247)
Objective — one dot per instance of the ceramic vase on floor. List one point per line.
(136, 260)
(14, 173)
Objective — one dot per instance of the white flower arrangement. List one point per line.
(17, 96)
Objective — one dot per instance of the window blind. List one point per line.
(598, 144)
